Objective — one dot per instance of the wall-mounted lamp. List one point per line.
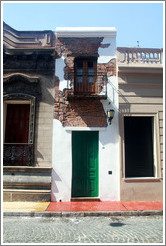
(110, 115)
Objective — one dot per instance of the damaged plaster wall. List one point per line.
(59, 68)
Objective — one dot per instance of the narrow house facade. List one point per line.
(84, 144)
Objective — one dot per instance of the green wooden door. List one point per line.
(84, 164)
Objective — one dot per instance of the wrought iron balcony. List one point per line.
(87, 85)
(18, 154)
(139, 56)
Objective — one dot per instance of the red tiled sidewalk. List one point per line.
(104, 206)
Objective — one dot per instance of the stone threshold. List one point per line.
(85, 199)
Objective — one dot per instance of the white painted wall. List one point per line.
(106, 54)
(109, 184)
(59, 70)
(62, 163)
(108, 161)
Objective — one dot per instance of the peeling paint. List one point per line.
(59, 71)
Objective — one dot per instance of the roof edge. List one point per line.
(85, 31)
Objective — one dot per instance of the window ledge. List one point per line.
(142, 179)
(29, 169)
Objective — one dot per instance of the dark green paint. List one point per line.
(85, 164)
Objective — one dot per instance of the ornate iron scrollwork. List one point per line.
(18, 154)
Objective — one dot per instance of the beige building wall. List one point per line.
(141, 94)
(44, 123)
(33, 183)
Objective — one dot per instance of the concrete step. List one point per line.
(10, 195)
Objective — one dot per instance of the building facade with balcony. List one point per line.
(60, 143)
(85, 146)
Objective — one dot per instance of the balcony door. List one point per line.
(16, 148)
(85, 76)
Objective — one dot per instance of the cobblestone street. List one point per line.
(133, 229)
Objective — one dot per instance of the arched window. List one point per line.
(20, 97)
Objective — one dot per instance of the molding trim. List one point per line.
(85, 32)
(26, 39)
(21, 75)
(72, 128)
(153, 179)
(139, 68)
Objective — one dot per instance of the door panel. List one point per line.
(85, 164)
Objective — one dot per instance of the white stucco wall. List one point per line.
(109, 184)
(106, 54)
(59, 68)
(109, 161)
(61, 163)
(108, 139)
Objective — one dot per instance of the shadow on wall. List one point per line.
(38, 156)
(126, 107)
(47, 85)
(54, 178)
(111, 135)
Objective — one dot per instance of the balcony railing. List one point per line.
(138, 55)
(18, 154)
(87, 85)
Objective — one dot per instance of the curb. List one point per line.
(83, 213)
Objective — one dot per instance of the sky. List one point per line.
(134, 21)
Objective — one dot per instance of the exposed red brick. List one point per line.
(85, 111)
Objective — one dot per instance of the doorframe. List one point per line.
(97, 166)
(155, 141)
(71, 128)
